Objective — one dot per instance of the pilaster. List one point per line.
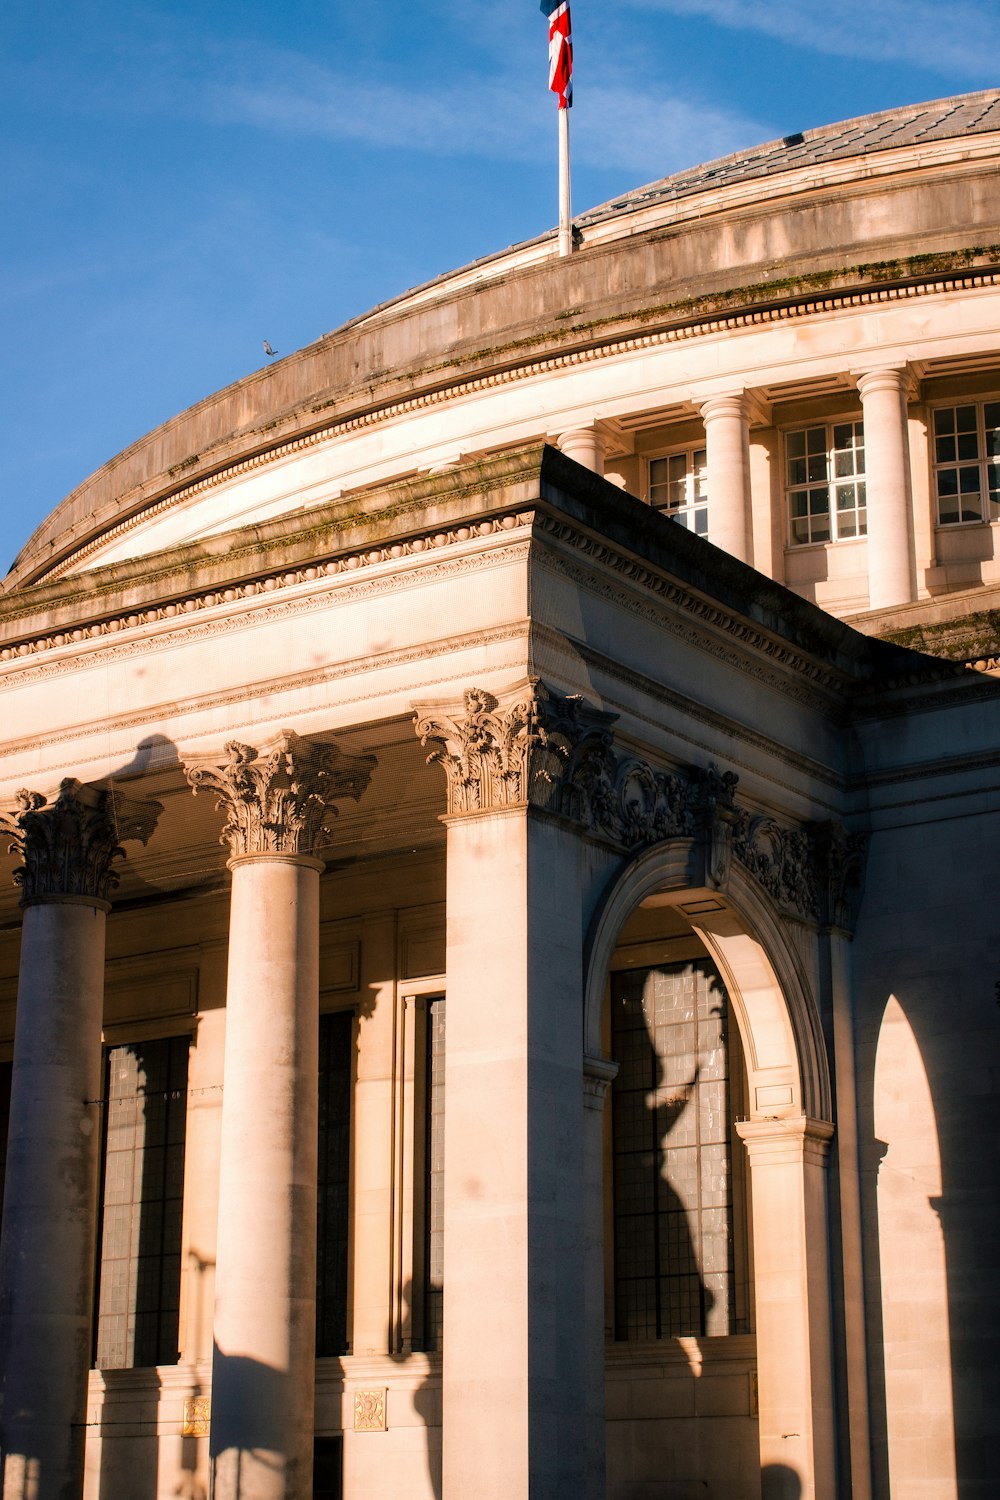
(520, 1372)
(788, 1159)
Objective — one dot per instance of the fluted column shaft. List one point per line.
(727, 447)
(887, 487)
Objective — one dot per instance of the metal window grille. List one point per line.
(336, 1038)
(142, 1203)
(673, 1200)
(967, 463)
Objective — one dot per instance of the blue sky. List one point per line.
(181, 181)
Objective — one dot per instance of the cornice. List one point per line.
(791, 671)
(735, 731)
(512, 369)
(323, 574)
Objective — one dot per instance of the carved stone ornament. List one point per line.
(839, 859)
(280, 800)
(496, 756)
(69, 846)
(369, 1410)
(558, 754)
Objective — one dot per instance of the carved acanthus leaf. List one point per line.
(839, 858)
(511, 755)
(558, 754)
(69, 846)
(278, 801)
(781, 859)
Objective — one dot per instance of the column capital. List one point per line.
(781, 1140)
(839, 865)
(599, 1073)
(585, 444)
(278, 800)
(516, 752)
(898, 379)
(733, 404)
(70, 845)
(744, 405)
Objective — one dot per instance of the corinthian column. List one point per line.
(51, 1194)
(276, 805)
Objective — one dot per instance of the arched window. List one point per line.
(676, 1214)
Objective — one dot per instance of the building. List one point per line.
(586, 920)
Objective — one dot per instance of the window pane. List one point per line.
(673, 1233)
(434, 1178)
(139, 1276)
(336, 1032)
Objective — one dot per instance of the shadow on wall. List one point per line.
(779, 1482)
(427, 1396)
(250, 1423)
(129, 1462)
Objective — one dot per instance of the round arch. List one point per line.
(768, 987)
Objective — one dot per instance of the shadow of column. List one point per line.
(779, 1482)
(130, 1459)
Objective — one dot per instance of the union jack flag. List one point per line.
(560, 50)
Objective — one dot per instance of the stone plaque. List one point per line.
(369, 1411)
(197, 1416)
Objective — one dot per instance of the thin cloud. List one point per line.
(953, 39)
(614, 126)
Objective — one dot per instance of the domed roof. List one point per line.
(649, 259)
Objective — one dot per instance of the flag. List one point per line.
(560, 50)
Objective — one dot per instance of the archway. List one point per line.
(728, 955)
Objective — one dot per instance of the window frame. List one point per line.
(857, 478)
(116, 1038)
(981, 462)
(697, 499)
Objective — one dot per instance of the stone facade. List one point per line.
(550, 1053)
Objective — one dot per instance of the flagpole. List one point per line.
(565, 216)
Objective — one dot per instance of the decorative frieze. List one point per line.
(279, 800)
(707, 322)
(181, 606)
(70, 845)
(557, 754)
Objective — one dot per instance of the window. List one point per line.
(433, 1257)
(6, 1076)
(678, 485)
(143, 1187)
(674, 1259)
(336, 1038)
(825, 483)
(967, 463)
